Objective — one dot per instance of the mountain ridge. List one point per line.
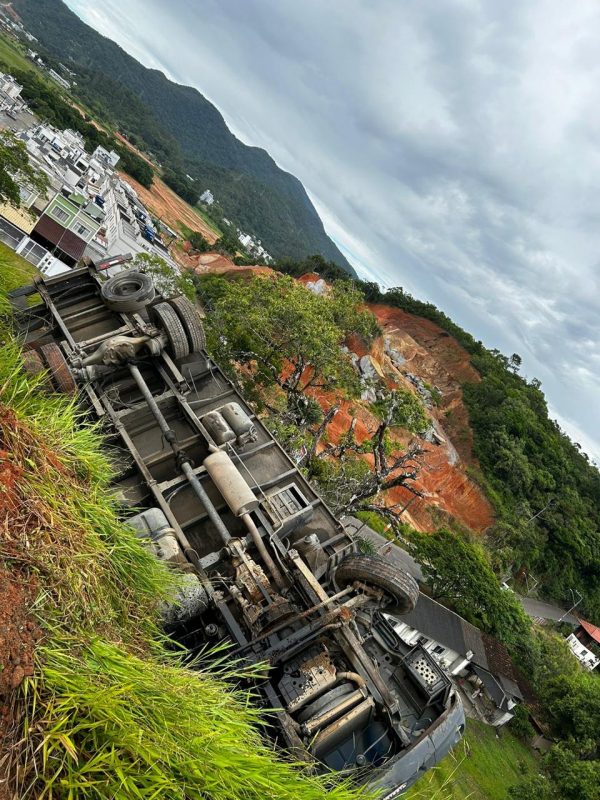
(252, 189)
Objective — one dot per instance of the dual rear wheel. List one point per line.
(132, 291)
(179, 319)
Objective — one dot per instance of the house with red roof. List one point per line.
(585, 644)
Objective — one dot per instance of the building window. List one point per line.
(82, 231)
(60, 214)
(25, 193)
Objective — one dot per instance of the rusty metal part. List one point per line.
(59, 369)
(309, 678)
(227, 478)
(351, 720)
(295, 618)
(263, 552)
(337, 618)
(249, 576)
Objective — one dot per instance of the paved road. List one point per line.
(541, 610)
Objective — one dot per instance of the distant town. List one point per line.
(89, 210)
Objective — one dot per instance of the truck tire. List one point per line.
(190, 320)
(165, 317)
(59, 369)
(32, 362)
(401, 588)
(128, 292)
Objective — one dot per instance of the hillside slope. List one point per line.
(253, 191)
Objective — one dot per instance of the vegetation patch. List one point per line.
(484, 766)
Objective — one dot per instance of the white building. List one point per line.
(584, 643)
(59, 79)
(108, 157)
(246, 240)
(207, 197)
(10, 93)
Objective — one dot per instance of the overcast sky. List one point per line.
(451, 147)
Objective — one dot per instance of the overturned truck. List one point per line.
(266, 565)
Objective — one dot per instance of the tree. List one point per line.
(16, 171)
(181, 185)
(573, 703)
(168, 282)
(198, 242)
(457, 570)
(281, 335)
(357, 476)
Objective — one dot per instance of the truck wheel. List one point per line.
(190, 320)
(128, 292)
(166, 318)
(59, 369)
(401, 589)
(32, 362)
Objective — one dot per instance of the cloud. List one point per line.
(449, 147)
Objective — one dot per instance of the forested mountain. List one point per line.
(186, 133)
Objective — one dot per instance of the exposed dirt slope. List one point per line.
(415, 354)
(167, 206)
(205, 263)
(438, 359)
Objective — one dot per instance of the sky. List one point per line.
(451, 147)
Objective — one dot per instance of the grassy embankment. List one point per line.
(108, 712)
(209, 221)
(481, 767)
(12, 57)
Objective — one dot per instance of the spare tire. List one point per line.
(190, 319)
(128, 291)
(401, 589)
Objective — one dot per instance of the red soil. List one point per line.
(439, 360)
(18, 630)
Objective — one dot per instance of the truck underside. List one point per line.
(265, 564)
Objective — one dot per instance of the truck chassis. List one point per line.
(265, 564)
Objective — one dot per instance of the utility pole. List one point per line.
(574, 604)
(547, 506)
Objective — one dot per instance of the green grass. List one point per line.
(210, 222)
(14, 272)
(481, 767)
(110, 712)
(11, 56)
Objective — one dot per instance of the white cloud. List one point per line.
(449, 147)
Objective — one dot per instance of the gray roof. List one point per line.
(444, 626)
